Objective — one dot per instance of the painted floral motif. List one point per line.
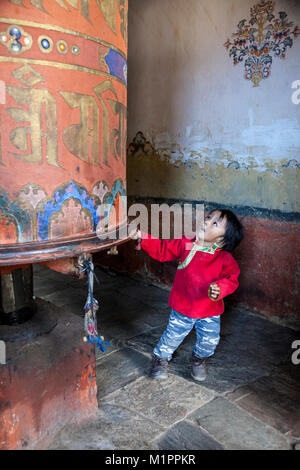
(140, 144)
(114, 207)
(72, 219)
(264, 36)
(30, 195)
(71, 190)
(16, 39)
(100, 189)
(28, 199)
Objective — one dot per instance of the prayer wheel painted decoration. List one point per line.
(62, 125)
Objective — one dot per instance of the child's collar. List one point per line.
(207, 249)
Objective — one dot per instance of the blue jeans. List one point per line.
(179, 326)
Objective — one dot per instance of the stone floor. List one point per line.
(250, 399)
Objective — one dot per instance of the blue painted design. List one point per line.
(117, 65)
(45, 43)
(117, 187)
(109, 198)
(15, 32)
(16, 46)
(72, 190)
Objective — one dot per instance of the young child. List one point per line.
(206, 274)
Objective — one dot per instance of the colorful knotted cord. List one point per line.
(91, 307)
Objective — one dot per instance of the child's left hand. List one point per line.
(214, 291)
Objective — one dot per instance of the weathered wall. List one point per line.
(203, 129)
(212, 134)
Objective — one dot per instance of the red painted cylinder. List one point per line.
(63, 126)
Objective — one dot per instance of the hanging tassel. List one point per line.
(91, 307)
(98, 341)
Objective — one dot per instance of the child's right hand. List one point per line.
(136, 234)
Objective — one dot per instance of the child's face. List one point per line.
(213, 229)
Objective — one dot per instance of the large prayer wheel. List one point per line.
(62, 126)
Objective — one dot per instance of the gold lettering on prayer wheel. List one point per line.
(62, 125)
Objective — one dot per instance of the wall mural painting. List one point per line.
(139, 145)
(260, 38)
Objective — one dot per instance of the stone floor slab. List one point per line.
(185, 436)
(65, 297)
(151, 295)
(162, 401)
(113, 281)
(156, 317)
(236, 429)
(121, 328)
(118, 369)
(229, 368)
(145, 342)
(44, 286)
(113, 304)
(113, 428)
(268, 341)
(274, 400)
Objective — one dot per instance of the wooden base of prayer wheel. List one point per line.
(46, 382)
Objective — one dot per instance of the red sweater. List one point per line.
(189, 293)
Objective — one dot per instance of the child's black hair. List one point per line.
(234, 232)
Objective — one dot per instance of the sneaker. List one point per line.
(198, 368)
(159, 368)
